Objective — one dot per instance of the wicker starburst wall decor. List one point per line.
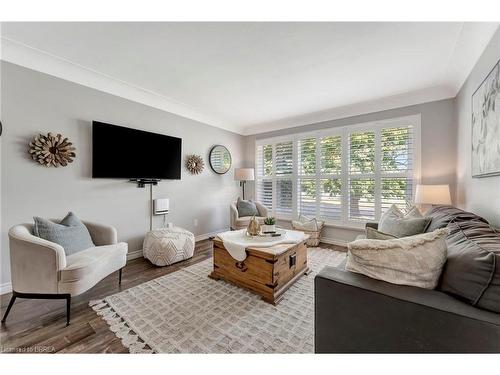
(52, 150)
(195, 164)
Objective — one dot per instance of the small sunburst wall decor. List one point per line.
(195, 164)
(52, 150)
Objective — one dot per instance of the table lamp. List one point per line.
(243, 175)
(432, 194)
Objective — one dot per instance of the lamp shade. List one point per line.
(244, 174)
(433, 194)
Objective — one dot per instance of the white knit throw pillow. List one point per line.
(415, 260)
(307, 223)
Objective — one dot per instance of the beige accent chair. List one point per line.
(41, 270)
(242, 222)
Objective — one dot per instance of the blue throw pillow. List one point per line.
(70, 233)
(246, 208)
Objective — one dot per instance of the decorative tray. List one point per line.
(268, 235)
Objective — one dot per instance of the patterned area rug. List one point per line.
(187, 312)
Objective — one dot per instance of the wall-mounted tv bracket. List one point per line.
(141, 183)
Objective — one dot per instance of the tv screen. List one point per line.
(119, 152)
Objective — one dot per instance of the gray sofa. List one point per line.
(358, 314)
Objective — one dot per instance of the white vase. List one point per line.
(268, 228)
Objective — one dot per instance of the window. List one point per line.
(397, 145)
(264, 186)
(361, 176)
(284, 170)
(307, 176)
(344, 176)
(330, 179)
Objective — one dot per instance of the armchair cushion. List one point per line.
(70, 233)
(246, 208)
(83, 263)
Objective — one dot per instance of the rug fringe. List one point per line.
(120, 328)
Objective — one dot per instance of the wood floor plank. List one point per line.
(42, 323)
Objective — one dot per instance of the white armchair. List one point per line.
(40, 269)
(238, 222)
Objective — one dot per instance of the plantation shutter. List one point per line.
(361, 176)
(284, 158)
(283, 173)
(307, 157)
(265, 193)
(331, 155)
(397, 149)
(284, 190)
(330, 205)
(361, 199)
(264, 183)
(362, 152)
(307, 189)
(307, 196)
(264, 160)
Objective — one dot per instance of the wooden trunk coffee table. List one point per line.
(267, 271)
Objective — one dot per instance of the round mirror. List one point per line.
(220, 159)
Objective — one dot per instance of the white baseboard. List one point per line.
(333, 241)
(134, 254)
(205, 236)
(138, 253)
(5, 288)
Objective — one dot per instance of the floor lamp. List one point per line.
(243, 175)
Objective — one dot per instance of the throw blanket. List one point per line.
(237, 241)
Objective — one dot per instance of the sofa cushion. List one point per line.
(373, 234)
(395, 223)
(70, 233)
(415, 260)
(246, 208)
(442, 215)
(472, 270)
(84, 263)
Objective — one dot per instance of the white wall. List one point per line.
(479, 195)
(438, 156)
(33, 102)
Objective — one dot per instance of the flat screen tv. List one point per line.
(119, 152)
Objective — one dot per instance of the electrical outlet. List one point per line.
(195, 222)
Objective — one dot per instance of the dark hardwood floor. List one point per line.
(39, 326)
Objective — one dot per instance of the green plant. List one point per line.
(269, 221)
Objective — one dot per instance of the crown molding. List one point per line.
(21, 54)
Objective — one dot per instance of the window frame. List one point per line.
(344, 132)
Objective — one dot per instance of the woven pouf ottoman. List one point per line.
(168, 245)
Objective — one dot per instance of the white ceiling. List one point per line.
(254, 77)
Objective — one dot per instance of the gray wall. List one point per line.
(479, 195)
(33, 102)
(438, 133)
